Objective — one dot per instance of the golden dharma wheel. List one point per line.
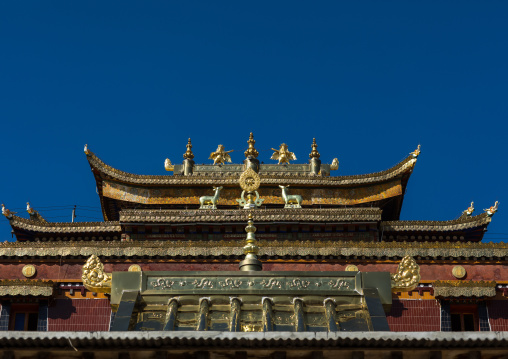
(28, 270)
(459, 272)
(249, 180)
(134, 268)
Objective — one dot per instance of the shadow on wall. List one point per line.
(61, 309)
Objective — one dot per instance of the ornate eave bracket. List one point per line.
(26, 287)
(407, 277)
(470, 288)
(94, 278)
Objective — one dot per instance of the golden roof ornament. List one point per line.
(314, 153)
(283, 155)
(491, 210)
(251, 261)
(407, 277)
(94, 278)
(416, 152)
(7, 213)
(251, 151)
(334, 166)
(188, 155)
(220, 156)
(168, 165)
(469, 211)
(249, 180)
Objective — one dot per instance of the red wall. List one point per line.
(79, 315)
(498, 315)
(414, 316)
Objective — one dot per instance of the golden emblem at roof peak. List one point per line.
(249, 180)
(188, 155)
(94, 278)
(283, 155)
(314, 153)
(220, 156)
(251, 151)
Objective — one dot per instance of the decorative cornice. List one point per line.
(64, 227)
(461, 223)
(469, 288)
(268, 249)
(26, 287)
(260, 215)
(218, 178)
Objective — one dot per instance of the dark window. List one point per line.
(24, 317)
(464, 318)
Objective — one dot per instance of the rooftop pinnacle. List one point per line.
(251, 151)
(188, 155)
(314, 153)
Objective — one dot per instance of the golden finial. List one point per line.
(251, 261)
(251, 151)
(283, 155)
(188, 155)
(168, 165)
(220, 156)
(416, 152)
(314, 153)
(491, 210)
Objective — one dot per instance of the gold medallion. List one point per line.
(459, 272)
(134, 268)
(28, 271)
(249, 180)
(352, 268)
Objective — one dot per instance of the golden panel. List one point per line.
(459, 272)
(271, 194)
(28, 270)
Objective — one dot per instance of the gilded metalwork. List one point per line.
(416, 152)
(283, 155)
(188, 155)
(407, 277)
(334, 166)
(26, 287)
(249, 180)
(220, 156)
(168, 165)
(330, 313)
(210, 202)
(291, 201)
(171, 314)
(469, 211)
(298, 315)
(267, 314)
(251, 151)
(28, 270)
(234, 316)
(461, 288)
(204, 308)
(351, 268)
(7, 213)
(134, 268)
(94, 278)
(250, 262)
(459, 272)
(491, 210)
(314, 153)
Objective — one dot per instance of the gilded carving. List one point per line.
(291, 200)
(283, 155)
(339, 283)
(203, 283)
(298, 283)
(407, 277)
(134, 268)
(26, 287)
(220, 156)
(272, 282)
(251, 151)
(249, 180)
(230, 283)
(94, 278)
(210, 202)
(459, 272)
(28, 271)
(452, 288)
(351, 268)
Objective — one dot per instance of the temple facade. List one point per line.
(278, 256)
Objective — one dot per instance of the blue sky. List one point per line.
(369, 79)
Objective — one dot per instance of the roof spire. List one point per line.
(251, 261)
(251, 151)
(188, 155)
(314, 153)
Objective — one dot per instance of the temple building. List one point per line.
(281, 260)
